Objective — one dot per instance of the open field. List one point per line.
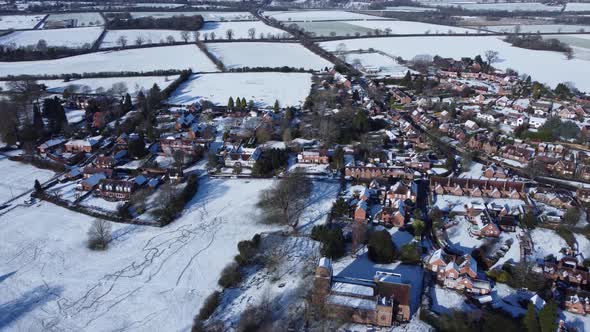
(17, 178)
(207, 16)
(71, 38)
(319, 15)
(135, 60)
(50, 277)
(241, 30)
(147, 37)
(507, 6)
(79, 19)
(92, 85)
(259, 54)
(545, 66)
(577, 7)
(290, 89)
(363, 28)
(8, 22)
(579, 43)
(543, 28)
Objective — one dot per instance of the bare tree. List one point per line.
(99, 234)
(491, 56)
(286, 200)
(139, 40)
(119, 88)
(212, 35)
(185, 35)
(122, 41)
(252, 33)
(196, 36)
(170, 39)
(229, 33)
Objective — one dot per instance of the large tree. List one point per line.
(286, 200)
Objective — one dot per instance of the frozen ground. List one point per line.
(544, 66)
(577, 7)
(72, 38)
(319, 15)
(323, 196)
(135, 60)
(17, 178)
(150, 279)
(290, 89)
(148, 36)
(259, 54)
(133, 84)
(207, 16)
(16, 22)
(241, 30)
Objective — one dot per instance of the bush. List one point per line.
(231, 276)
(499, 276)
(332, 239)
(381, 248)
(566, 234)
(410, 253)
(247, 250)
(208, 308)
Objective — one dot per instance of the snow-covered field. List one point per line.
(241, 30)
(547, 242)
(207, 16)
(510, 7)
(319, 15)
(577, 7)
(150, 279)
(363, 28)
(544, 66)
(81, 19)
(407, 27)
(290, 89)
(134, 60)
(377, 64)
(147, 37)
(17, 178)
(72, 38)
(259, 54)
(543, 28)
(91, 85)
(16, 22)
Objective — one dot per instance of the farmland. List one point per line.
(96, 85)
(207, 16)
(77, 19)
(19, 22)
(311, 15)
(146, 36)
(241, 30)
(136, 60)
(70, 38)
(259, 54)
(290, 89)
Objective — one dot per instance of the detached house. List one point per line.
(313, 157)
(458, 273)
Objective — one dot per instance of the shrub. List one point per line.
(211, 303)
(381, 248)
(410, 253)
(230, 276)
